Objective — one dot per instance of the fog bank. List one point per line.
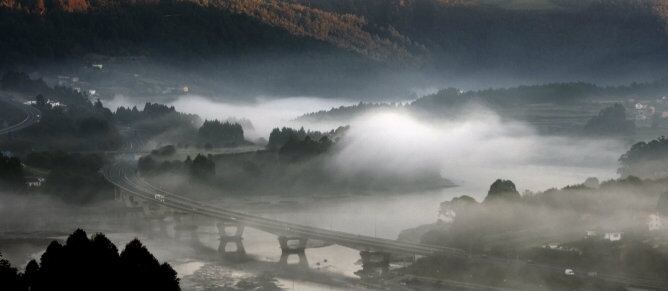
(472, 151)
(265, 113)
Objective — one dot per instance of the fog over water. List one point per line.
(265, 113)
(472, 149)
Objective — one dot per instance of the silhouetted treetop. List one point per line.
(279, 137)
(83, 263)
(502, 190)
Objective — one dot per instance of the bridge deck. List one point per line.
(124, 176)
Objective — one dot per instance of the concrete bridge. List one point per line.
(292, 238)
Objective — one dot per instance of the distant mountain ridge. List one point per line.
(449, 101)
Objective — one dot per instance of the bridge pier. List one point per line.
(231, 235)
(293, 246)
(302, 260)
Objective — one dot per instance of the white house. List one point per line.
(654, 222)
(592, 234)
(34, 182)
(612, 236)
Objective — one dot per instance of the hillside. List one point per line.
(551, 108)
(211, 28)
(493, 35)
(370, 49)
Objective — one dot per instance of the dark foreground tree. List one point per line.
(91, 264)
(10, 278)
(221, 133)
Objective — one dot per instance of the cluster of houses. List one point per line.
(35, 182)
(49, 102)
(559, 247)
(75, 84)
(646, 114)
(606, 235)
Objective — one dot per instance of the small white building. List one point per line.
(643, 114)
(612, 236)
(98, 66)
(552, 246)
(591, 234)
(34, 182)
(654, 222)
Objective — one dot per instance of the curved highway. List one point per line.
(124, 176)
(32, 117)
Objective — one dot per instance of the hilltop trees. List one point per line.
(461, 205)
(502, 190)
(221, 133)
(91, 264)
(202, 167)
(307, 147)
(158, 121)
(279, 137)
(645, 159)
(610, 121)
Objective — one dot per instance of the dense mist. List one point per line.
(473, 150)
(334, 145)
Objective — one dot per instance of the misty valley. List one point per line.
(333, 145)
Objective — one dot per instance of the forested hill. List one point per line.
(471, 34)
(347, 47)
(535, 35)
(54, 28)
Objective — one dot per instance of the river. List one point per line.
(331, 267)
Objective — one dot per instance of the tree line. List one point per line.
(201, 168)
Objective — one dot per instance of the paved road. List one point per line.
(124, 176)
(32, 117)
